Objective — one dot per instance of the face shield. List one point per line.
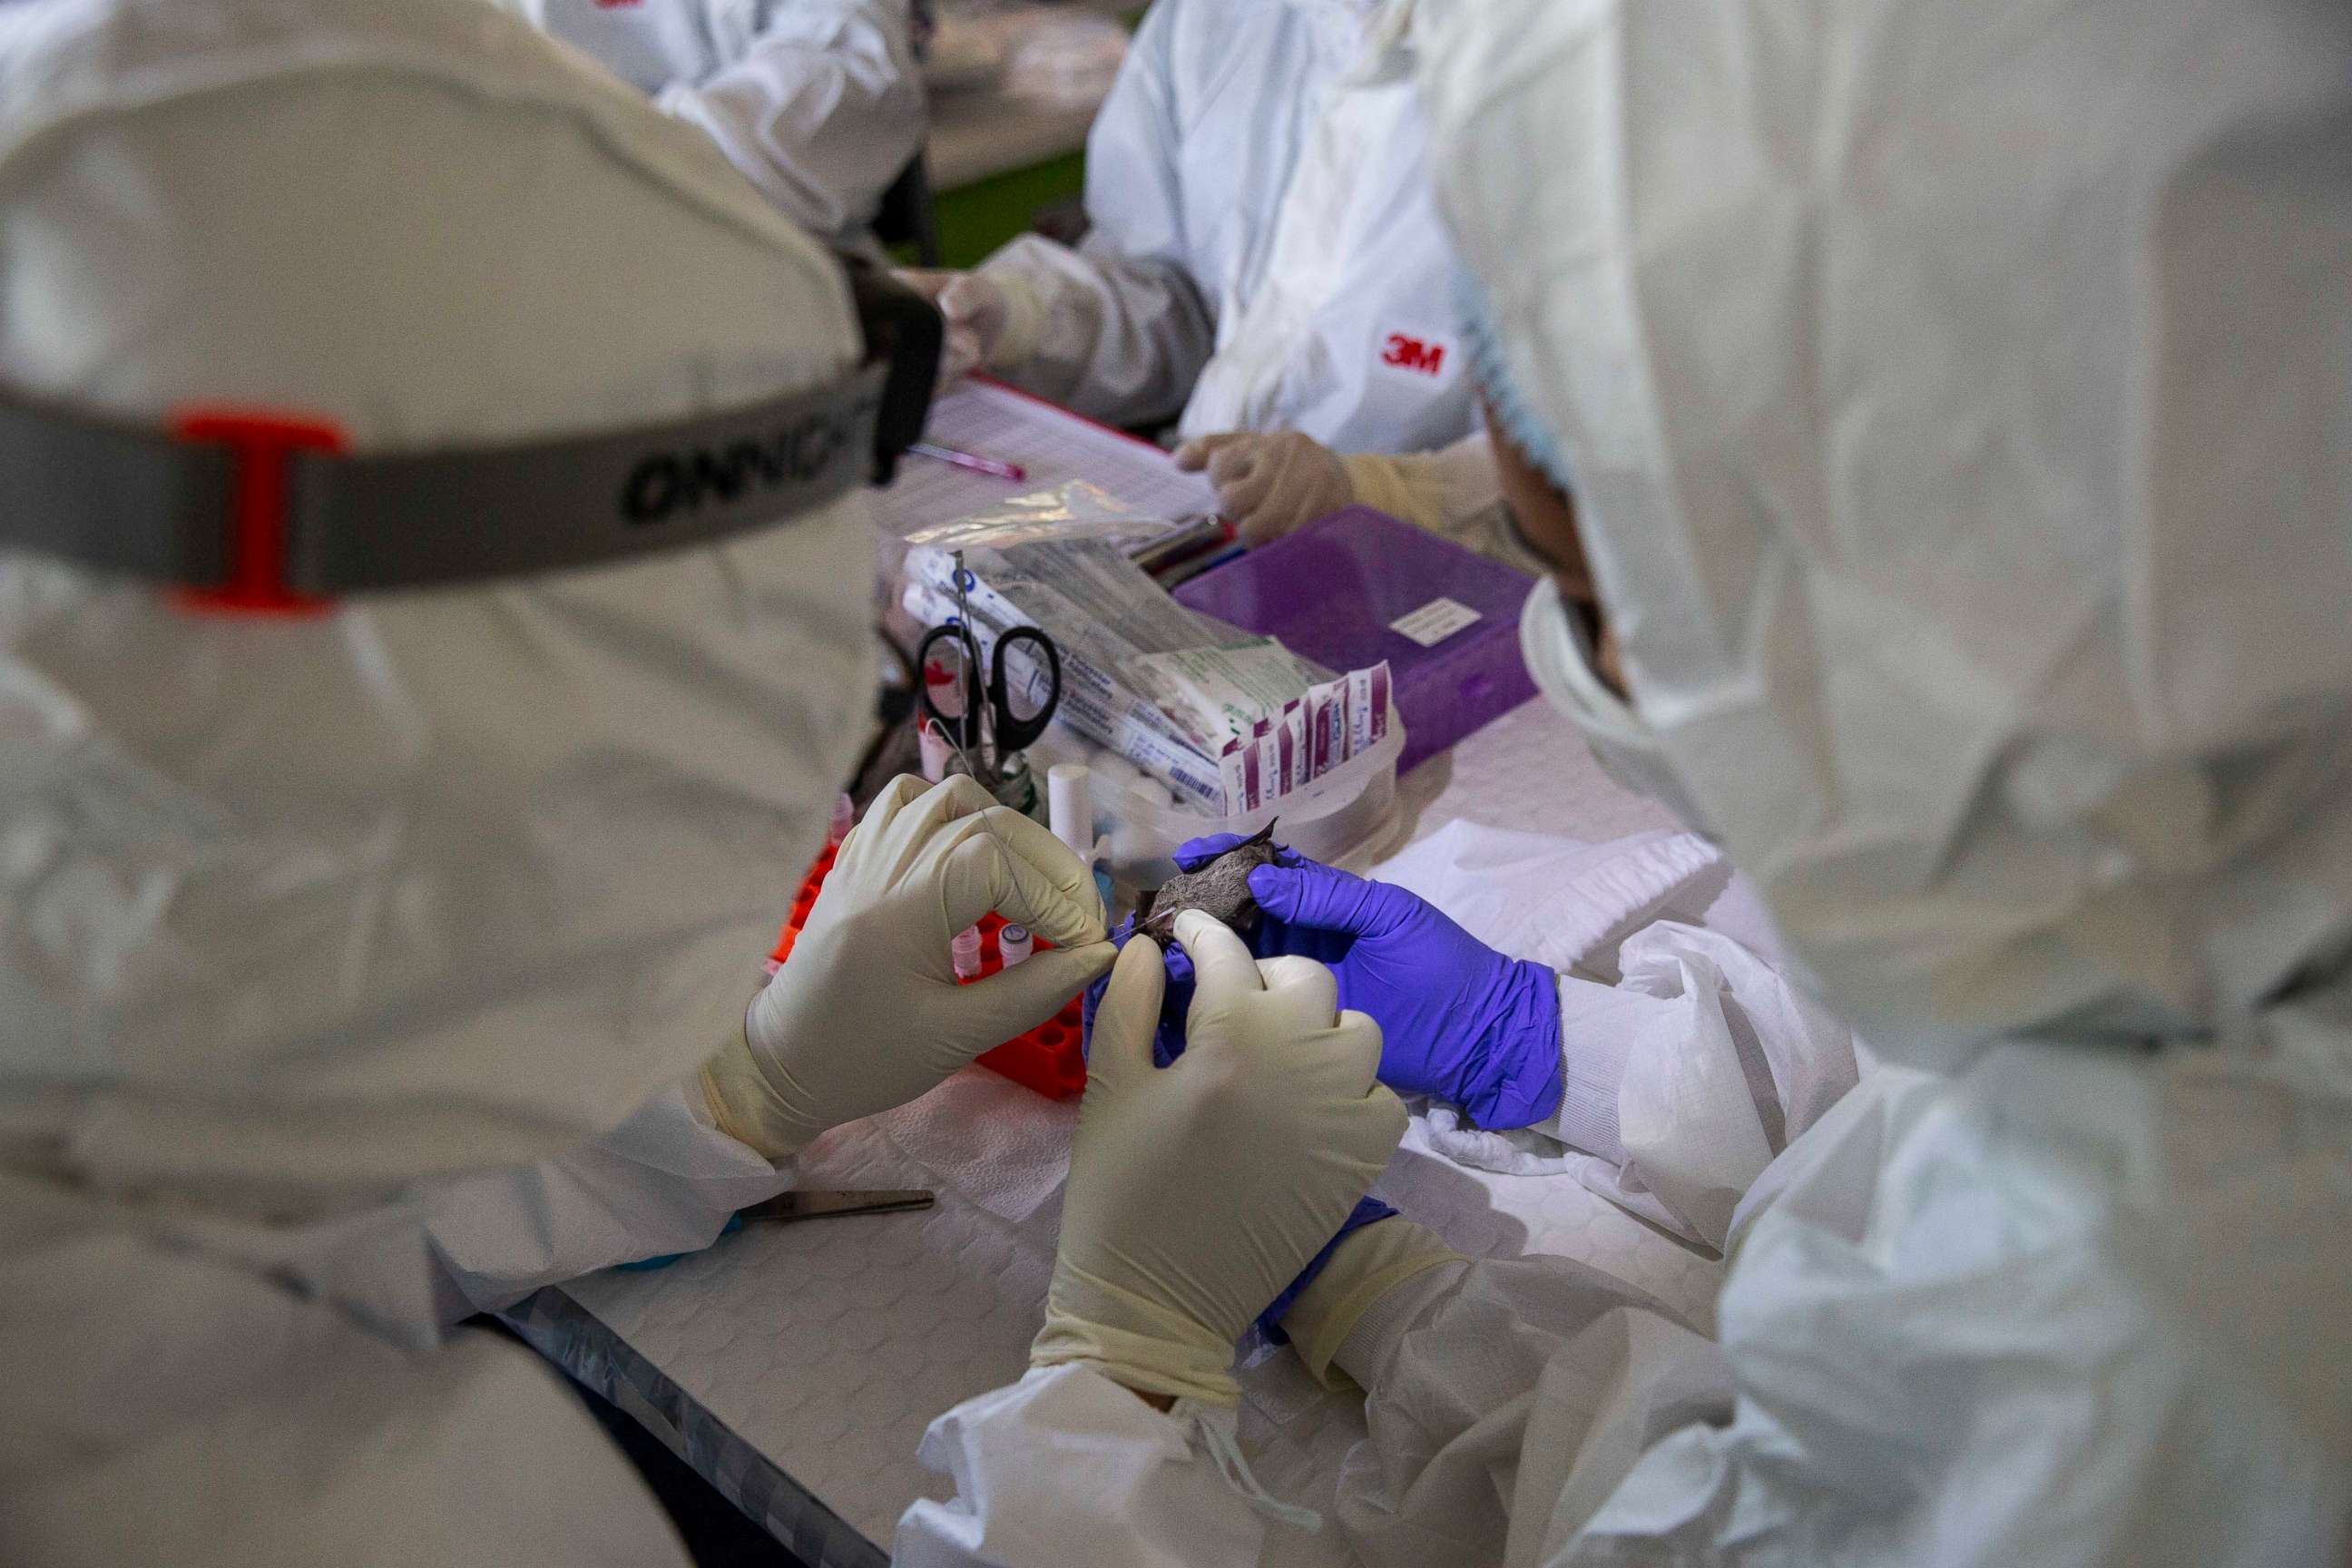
(1555, 641)
(1559, 651)
(434, 600)
(1971, 519)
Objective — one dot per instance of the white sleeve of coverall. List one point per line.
(1066, 1466)
(1501, 1393)
(1902, 1348)
(1692, 1072)
(1116, 329)
(821, 105)
(664, 1181)
(1506, 1400)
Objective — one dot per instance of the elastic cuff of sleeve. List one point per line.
(745, 1106)
(1372, 1345)
(1368, 1267)
(1165, 1354)
(1593, 1071)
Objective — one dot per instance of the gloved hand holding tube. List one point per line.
(1273, 482)
(866, 1013)
(1459, 1021)
(1198, 1190)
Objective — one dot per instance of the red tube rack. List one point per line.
(1048, 1058)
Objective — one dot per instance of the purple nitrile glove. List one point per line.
(1459, 1021)
(1269, 939)
(1168, 1038)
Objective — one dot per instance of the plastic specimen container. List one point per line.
(1360, 587)
(1348, 816)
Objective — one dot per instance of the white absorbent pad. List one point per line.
(1565, 904)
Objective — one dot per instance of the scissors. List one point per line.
(1009, 731)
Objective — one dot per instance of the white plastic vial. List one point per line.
(1015, 943)
(937, 755)
(1069, 808)
(965, 951)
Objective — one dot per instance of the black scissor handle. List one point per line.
(1013, 734)
(963, 730)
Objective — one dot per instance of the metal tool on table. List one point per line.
(826, 1202)
(989, 731)
(816, 1203)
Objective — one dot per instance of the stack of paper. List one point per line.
(1051, 445)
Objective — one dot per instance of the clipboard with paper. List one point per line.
(1053, 448)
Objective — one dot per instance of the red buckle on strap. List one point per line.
(260, 445)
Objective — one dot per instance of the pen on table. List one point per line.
(971, 460)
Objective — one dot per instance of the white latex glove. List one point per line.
(989, 324)
(1198, 1191)
(865, 1014)
(1364, 1270)
(1270, 483)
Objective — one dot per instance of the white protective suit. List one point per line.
(1959, 408)
(297, 912)
(818, 103)
(1265, 252)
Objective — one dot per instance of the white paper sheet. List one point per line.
(1052, 445)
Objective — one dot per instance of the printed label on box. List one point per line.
(1434, 622)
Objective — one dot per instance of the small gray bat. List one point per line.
(1220, 889)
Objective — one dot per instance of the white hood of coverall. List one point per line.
(295, 912)
(1973, 566)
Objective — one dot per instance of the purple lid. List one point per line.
(1360, 587)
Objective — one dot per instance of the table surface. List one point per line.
(977, 134)
(980, 132)
(795, 1366)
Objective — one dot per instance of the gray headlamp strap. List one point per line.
(415, 521)
(115, 497)
(130, 499)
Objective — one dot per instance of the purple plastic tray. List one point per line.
(1334, 591)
